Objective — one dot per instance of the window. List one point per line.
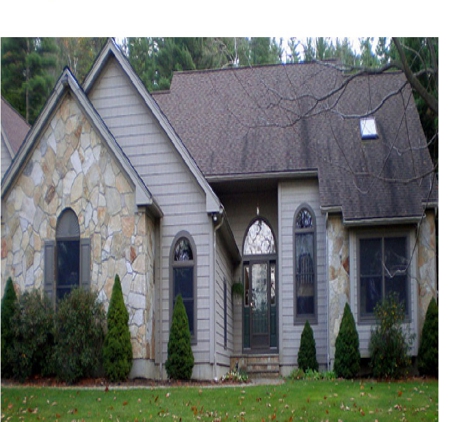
(67, 258)
(368, 128)
(304, 264)
(383, 269)
(184, 278)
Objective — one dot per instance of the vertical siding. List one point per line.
(292, 195)
(171, 183)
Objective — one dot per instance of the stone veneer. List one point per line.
(71, 166)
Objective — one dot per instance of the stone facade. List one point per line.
(72, 166)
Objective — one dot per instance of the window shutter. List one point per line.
(85, 263)
(49, 269)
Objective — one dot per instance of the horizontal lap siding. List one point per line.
(292, 195)
(174, 188)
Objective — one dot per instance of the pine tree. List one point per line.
(307, 355)
(347, 347)
(428, 356)
(180, 362)
(9, 305)
(117, 350)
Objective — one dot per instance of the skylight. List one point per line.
(368, 128)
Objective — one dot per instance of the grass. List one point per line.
(336, 400)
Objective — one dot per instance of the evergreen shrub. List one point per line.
(117, 350)
(428, 356)
(180, 361)
(389, 345)
(79, 336)
(33, 336)
(9, 305)
(347, 347)
(307, 355)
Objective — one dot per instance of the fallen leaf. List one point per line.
(125, 403)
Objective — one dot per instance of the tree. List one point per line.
(117, 352)
(428, 356)
(347, 347)
(307, 354)
(180, 361)
(29, 71)
(9, 306)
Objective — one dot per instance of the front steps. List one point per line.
(258, 366)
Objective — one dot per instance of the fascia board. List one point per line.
(212, 201)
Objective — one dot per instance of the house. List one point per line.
(310, 187)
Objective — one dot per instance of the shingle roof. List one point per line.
(295, 118)
(14, 127)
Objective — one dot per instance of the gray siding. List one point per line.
(173, 186)
(292, 195)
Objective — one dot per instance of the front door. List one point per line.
(260, 302)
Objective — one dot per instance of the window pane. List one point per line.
(395, 256)
(398, 285)
(246, 285)
(183, 278)
(259, 239)
(303, 220)
(272, 284)
(304, 273)
(68, 263)
(370, 294)
(370, 257)
(189, 307)
(183, 250)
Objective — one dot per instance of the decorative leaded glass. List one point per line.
(304, 219)
(259, 239)
(183, 250)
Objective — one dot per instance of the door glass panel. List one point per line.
(259, 299)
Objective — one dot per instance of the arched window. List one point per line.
(304, 264)
(183, 277)
(67, 258)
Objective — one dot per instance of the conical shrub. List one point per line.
(180, 361)
(428, 356)
(307, 355)
(347, 347)
(9, 305)
(117, 350)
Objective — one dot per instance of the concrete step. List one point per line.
(257, 366)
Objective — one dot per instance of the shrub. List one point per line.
(180, 361)
(428, 356)
(79, 336)
(117, 350)
(33, 341)
(9, 304)
(347, 347)
(307, 355)
(389, 345)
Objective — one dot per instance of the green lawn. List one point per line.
(291, 401)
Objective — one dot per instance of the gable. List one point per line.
(140, 127)
(68, 86)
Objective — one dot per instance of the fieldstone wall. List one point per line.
(72, 166)
(338, 275)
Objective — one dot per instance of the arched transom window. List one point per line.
(259, 239)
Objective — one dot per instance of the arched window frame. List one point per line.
(177, 265)
(67, 230)
(299, 316)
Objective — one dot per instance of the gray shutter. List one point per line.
(49, 268)
(85, 263)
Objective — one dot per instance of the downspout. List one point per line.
(218, 220)
(328, 292)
